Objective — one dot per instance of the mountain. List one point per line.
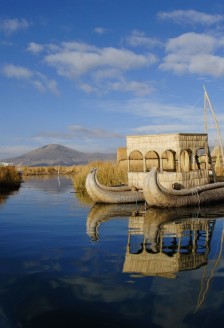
(51, 155)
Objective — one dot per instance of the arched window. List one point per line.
(185, 160)
(200, 159)
(136, 161)
(151, 160)
(168, 161)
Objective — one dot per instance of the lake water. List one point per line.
(66, 263)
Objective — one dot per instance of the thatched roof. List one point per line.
(121, 154)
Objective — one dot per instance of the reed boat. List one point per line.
(157, 195)
(100, 213)
(111, 195)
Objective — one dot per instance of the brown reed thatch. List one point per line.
(136, 155)
(121, 154)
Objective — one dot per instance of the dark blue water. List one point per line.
(66, 263)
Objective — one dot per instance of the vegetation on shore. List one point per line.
(48, 170)
(109, 173)
(10, 178)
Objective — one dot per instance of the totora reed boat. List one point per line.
(111, 195)
(157, 195)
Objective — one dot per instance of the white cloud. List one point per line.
(157, 111)
(103, 67)
(72, 45)
(207, 65)
(192, 43)
(194, 53)
(13, 25)
(100, 30)
(107, 73)
(52, 86)
(18, 72)
(38, 80)
(138, 38)
(137, 88)
(168, 117)
(109, 80)
(190, 17)
(38, 85)
(167, 128)
(88, 88)
(34, 47)
(44, 84)
(74, 59)
(79, 131)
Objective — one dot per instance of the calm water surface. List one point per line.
(66, 263)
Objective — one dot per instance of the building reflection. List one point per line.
(161, 242)
(169, 244)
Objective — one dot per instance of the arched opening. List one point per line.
(168, 161)
(136, 161)
(200, 159)
(151, 160)
(185, 160)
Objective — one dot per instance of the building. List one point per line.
(182, 159)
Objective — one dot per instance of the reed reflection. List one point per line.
(4, 195)
(161, 242)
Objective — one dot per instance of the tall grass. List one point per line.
(48, 170)
(9, 177)
(109, 174)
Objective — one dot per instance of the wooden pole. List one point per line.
(216, 122)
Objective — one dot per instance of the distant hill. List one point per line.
(54, 154)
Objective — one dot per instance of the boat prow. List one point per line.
(111, 195)
(156, 195)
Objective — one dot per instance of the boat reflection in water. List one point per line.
(100, 213)
(161, 242)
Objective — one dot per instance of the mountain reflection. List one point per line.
(161, 242)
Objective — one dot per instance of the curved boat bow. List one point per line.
(111, 195)
(156, 195)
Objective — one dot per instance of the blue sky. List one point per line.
(87, 73)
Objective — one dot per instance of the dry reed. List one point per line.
(9, 177)
(47, 170)
(109, 174)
